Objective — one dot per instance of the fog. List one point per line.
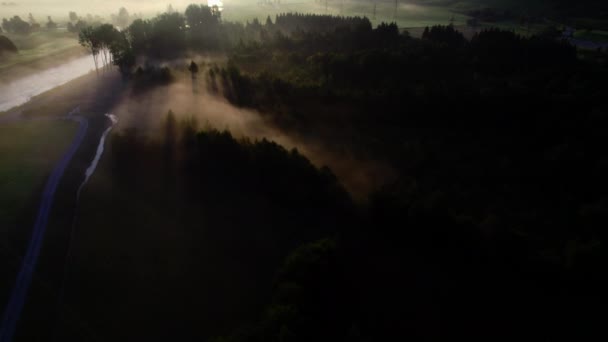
(146, 112)
(234, 9)
(61, 8)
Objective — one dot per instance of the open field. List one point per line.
(39, 50)
(407, 15)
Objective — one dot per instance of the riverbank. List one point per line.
(39, 51)
(25, 88)
(94, 97)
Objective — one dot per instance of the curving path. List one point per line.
(18, 296)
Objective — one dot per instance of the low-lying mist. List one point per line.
(61, 8)
(147, 110)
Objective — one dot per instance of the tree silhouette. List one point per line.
(51, 25)
(89, 39)
(193, 68)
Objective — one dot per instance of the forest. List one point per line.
(492, 227)
(488, 224)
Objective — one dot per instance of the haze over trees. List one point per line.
(495, 141)
(123, 19)
(16, 25)
(484, 217)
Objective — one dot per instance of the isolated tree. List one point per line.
(51, 25)
(193, 68)
(425, 34)
(73, 16)
(31, 19)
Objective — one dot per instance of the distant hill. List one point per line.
(7, 46)
(578, 8)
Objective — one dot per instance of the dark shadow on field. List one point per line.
(188, 249)
(95, 96)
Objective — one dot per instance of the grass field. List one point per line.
(43, 47)
(29, 150)
(406, 15)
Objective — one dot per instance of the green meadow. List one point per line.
(46, 47)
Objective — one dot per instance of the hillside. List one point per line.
(7, 46)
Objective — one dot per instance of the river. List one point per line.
(20, 91)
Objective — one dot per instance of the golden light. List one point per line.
(217, 3)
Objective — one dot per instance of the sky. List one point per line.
(61, 8)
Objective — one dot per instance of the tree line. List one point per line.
(16, 25)
(498, 209)
(493, 227)
(200, 28)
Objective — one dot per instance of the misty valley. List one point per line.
(341, 170)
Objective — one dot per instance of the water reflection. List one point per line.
(22, 90)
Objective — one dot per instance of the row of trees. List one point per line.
(108, 46)
(172, 33)
(200, 27)
(16, 25)
(290, 22)
(168, 35)
(75, 23)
